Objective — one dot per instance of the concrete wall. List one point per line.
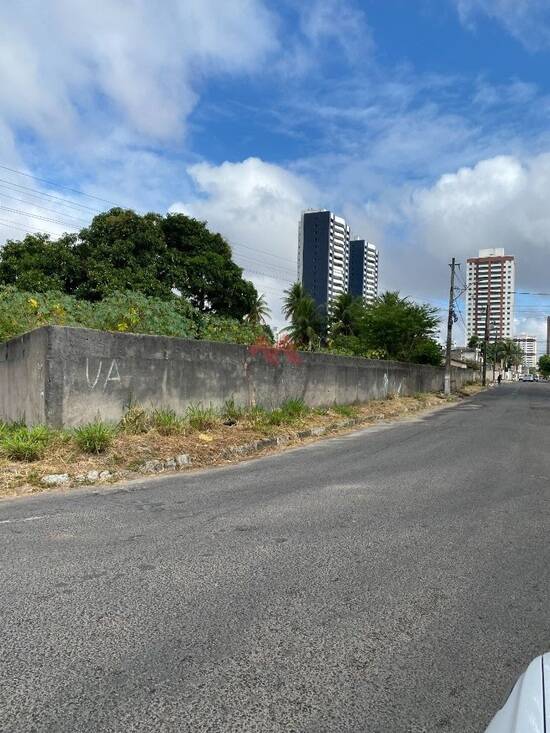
(24, 370)
(68, 376)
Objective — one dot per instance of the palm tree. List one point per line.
(258, 311)
(345, 315)
(306, 325)
(294, 295)
(512, 354)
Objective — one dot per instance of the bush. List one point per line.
(294, 409)
(25, 444)
(166, 422)
(218, 328)
(95, 437)
(122, 311)
(135, 421)
(201, 418)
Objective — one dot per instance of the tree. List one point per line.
(125, 251)
(306, 323)
(399, 327)
(305, 329)
(294, 295)
(474, 342)
(544, 365)
(38, 264)
(259, 311)
(346, 313)
(512, 354)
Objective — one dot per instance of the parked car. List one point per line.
(526, 378)
(527, 708)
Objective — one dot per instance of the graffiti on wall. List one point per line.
(100, 376)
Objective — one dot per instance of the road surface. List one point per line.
(396, 579)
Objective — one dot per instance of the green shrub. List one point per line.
(220, 328)
(294, 409)
(166, 422)
(23, 445)
(94, 437)
(201, 418)
(135, 421)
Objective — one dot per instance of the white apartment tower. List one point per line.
(323, 255)
(529, 347)
(363, 269)
(490, 281)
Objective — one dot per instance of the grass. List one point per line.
(201, 418)
(94, 437)
(20, 443)
(346, 410)
(22, 446)
(232, 412)
(167, 422)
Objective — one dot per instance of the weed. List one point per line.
(294, 409)
(166, 422)
(135, 421)
(256, 417)
(201, 418)
(275, 417)
(346, 410)
(231, 411)
(22, 445)
(94, 437)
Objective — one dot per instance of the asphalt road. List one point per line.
(396, 579)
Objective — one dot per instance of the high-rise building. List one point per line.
(323, 255)
(529, 347)
(363, 269)
(490, 281)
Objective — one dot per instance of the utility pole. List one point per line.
(485, 344)
(450, 321)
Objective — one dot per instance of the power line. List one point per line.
(57, 185)
(20, 212)
(4, 183)
(37, 206)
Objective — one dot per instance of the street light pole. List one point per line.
(485, 344)
(450, 319)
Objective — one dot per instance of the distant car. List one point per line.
(526, 378)
(527, 709)
(536, 378)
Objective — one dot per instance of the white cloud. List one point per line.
(66, 65)
(256, 206)
(526, 20)
(500, 202)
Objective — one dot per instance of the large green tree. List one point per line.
(401, 329)
(125, 251)
(38, 263)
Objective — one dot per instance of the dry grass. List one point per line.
(207, 447)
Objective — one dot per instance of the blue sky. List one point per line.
(424, 122)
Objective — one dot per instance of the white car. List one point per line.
(527, 378)
(527, 709)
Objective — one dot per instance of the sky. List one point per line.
(423, 122)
